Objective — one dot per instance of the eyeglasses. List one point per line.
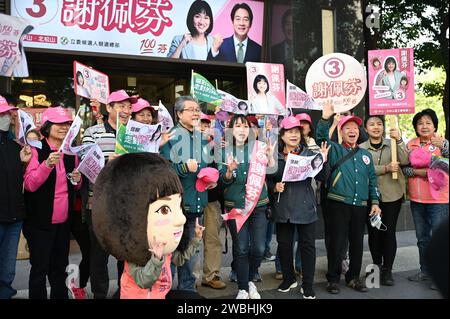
(192, 110)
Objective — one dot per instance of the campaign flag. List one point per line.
(299, 168)
(67, 144)
(296, 98)
(136, 137)
(203, 90)
(164, 118)
(92, 163)
(391, 81)
(26, 124)
(232, 104)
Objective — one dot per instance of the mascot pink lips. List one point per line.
(178, 234)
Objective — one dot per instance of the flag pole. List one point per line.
(287, 96)
(217, 85)
(192, 83)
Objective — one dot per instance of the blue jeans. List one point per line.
(426, 218)
(186, 278)
(9, 241)
(250, 242)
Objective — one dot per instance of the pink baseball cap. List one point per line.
(420, 158)
(4, 106)
(438, 180)
(205, 177)
(119, 96)
(204, 117)
(289, 122)
(140, 105)
(303, 117)
(56, 115)
(349, 118)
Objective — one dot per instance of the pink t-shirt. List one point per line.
(37, 173)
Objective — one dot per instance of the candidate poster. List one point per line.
(299, 168)
(266, 88)
(12, 55)
(90, 83)
(338, 78)
(391, 81)
(165, 28)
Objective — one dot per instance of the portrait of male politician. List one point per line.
(239, 47)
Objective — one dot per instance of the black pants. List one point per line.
(306, 241)
(99, 267)
(325, 212)
(383, 244)
(49, 257)
(346, 224)
(80, 231)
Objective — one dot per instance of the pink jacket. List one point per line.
(419, 187)
(37, 173)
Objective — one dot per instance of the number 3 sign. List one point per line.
(39, 11)
(337, 77)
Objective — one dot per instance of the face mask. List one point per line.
(5, 122)
(375, 221)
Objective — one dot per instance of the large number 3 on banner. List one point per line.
(42, 9)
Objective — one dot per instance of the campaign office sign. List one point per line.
(153, 28)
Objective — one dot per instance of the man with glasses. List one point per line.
(188, 153)
(119, 109)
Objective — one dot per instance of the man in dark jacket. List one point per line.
(12, 208)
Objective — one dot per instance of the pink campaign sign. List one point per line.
(391, 81)
(90, 83)
(266, 88)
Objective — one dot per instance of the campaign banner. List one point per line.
(299, 168)
(266, 90)
(164, 118)
(338, 78)
(253, 187)
(136, 137)
(232, 104)
(391, 81)
(92, 163)
(136, 27)
(12, 55)
(203, 90)
(90, 83)
(296, 98)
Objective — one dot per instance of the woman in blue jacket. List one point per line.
(295, 209)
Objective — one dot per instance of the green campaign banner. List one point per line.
(203, 90)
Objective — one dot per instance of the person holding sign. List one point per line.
(351, 183)
(196, 44)
(49, 198)
(295, 209)
(383, 244)
(429, 202)
(246, 199)
(104, 134)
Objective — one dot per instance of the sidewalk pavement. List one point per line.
(406, 264)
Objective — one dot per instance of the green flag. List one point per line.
(204, 91)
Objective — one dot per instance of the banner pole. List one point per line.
(393, 124)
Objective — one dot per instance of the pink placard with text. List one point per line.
(391, 81)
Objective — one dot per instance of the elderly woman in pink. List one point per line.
(49, 198)
(429, 204)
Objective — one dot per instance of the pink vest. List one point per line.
(130, 290)
(419, 187)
